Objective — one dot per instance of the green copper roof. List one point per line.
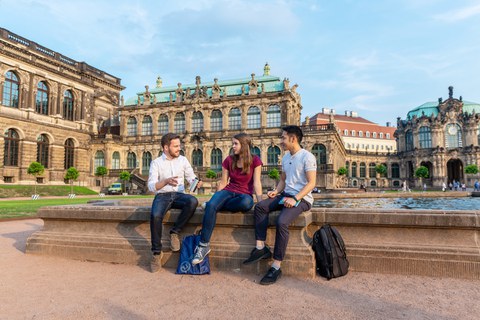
(234, 88)
(430, 108)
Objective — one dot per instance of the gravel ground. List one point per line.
(40, 287)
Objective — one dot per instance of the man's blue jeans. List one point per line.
(225, 201)
(161, 204)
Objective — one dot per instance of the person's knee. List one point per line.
(192, 203)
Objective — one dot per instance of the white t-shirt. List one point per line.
(295, 168)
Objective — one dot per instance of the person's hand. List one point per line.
(172, 181)
(272, 194)
(289, 202)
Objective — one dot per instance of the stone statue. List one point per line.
(179, 92)
(159, 82)
(266, 69)
(170, 97)
(450, 92)
(263, 87)
(122, 101)
(243, 90)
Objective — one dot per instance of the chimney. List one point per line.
(354, 114)
(389, 124)
(325, 110)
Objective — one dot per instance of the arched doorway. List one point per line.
(455, 170)
(429, 166)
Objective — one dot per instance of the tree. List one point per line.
(71, 175)
(124, 176)
(422, 172)
(342, 171)
(210, 174)
(471, 169)
(35, 169)
(274, 175)
(101, 172)
(381, 169)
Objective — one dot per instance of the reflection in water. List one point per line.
(466, 203)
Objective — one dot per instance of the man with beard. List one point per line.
(166, 179)
(293, 195)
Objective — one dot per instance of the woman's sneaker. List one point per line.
(200, 253)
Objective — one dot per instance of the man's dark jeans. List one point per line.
(286, 217)
(161, 204)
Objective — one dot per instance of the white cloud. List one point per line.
(459, 14)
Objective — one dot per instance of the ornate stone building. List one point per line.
(50, 105)
(444, 136)
(207, 115)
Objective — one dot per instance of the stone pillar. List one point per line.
(171, 121)
(244, 110)
(139, 124)
(263, 116)
(154, 116)
(188, 120)
(206, 120)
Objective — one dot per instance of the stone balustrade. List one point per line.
(417, 242)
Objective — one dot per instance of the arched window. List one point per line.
(197, 121)
(216, 159)
(146, 160)
(384, 175)
(116, 160)
(131, 160)
(424, 137)
(273, 153)
(163, 124)
(273, 117)
(147, 126)
(197, 158)
(131, 127)
(395, 170)
(372, 173)
(363, 170)
(179, 123)
(367, 134)
(69, 154)
(374, 135)
(42, 149)
(345, 132)
(453, 136)
(253, 118)
(99, 160)
(216, 120)
(11, 90)
(235, 119)
(381, 135)
(11, 146)
(354, 169)
(388, 136)
(68, 105)
(320, 153)
(408, 140)
(41, 101)
(353, 133)
(255, 151)
(360, 133)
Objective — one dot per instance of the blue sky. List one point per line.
(378, 58)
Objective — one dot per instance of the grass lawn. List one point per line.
(12, 191)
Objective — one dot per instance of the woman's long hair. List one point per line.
(245, 155)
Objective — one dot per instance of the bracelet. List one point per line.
(294, 198)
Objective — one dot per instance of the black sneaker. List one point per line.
(257, 255)
(271, 277)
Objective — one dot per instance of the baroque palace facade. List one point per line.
(50, 106)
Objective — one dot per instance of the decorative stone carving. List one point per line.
(252, 85)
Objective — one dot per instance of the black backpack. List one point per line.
(330, 252)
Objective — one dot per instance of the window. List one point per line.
(388, 136)
(345, 132)
(371, 170)
(453, 136)
(147, 126)
(347, 166)
(42, 150)
(11, 90)
(253, 118)
(116, 160)
(163, 124)
(381, 135)
(353, 133)
(99, 160)
(131, 127)
(41, 101)
(408, 140)
(131, 160)
(273, 153)
(374, 135)
(235, 119)
(367, 134)
(216, 120)
(320, 153)
(197, 121)
(68, 105)
(360, 133)
(354, 169)
(363, 170)
(197, 158)
(395, 170)
(69, 154)
(273, 117)
(255, 151)
(146, 160)
(424, 137)
(10, 151)
(179, 123)
(216, 159)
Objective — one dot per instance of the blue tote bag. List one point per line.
(185, 266)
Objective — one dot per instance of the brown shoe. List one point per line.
(156, 262)
(174, 242)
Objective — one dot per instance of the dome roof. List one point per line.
(429, 108)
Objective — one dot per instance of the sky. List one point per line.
(379, 58)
